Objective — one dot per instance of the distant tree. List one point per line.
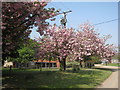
(26, 52)
(91, 46)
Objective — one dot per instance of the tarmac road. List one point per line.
(112, 81)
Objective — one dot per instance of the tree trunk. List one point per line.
(40, 66)
(85, 64)
(20, 66)
(2, 62)
(63, 64)
(81, 64)
(49, 64)
(10, 70)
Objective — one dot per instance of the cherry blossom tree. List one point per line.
(17, 20)
(58, 43)
(82, 44)
(90, 44)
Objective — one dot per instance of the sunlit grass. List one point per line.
(53, 78)
(113, 64)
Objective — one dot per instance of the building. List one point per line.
(114, 61)
(46, 63)
(7, 64)
(33, 64)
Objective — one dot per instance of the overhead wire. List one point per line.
(106, 22)
(96, 23)
(52, 3)
(60, 9)
(93, 24)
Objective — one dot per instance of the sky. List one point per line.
(94, 12)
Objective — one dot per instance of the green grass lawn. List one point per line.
(53, 78)
(113, 64)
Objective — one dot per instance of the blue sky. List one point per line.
(94, 12)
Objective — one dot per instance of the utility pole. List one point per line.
(63, 21)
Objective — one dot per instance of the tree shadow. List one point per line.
(50, 79)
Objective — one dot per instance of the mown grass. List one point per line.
(113, 64)
(53, 78)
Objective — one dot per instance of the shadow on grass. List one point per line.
(51, 79)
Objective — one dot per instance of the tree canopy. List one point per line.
(62, 42)
(17, 20)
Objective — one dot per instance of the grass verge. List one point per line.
(52, 78)
(114, 64)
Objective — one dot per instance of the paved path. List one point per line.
(112, 81)
(106, 67)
